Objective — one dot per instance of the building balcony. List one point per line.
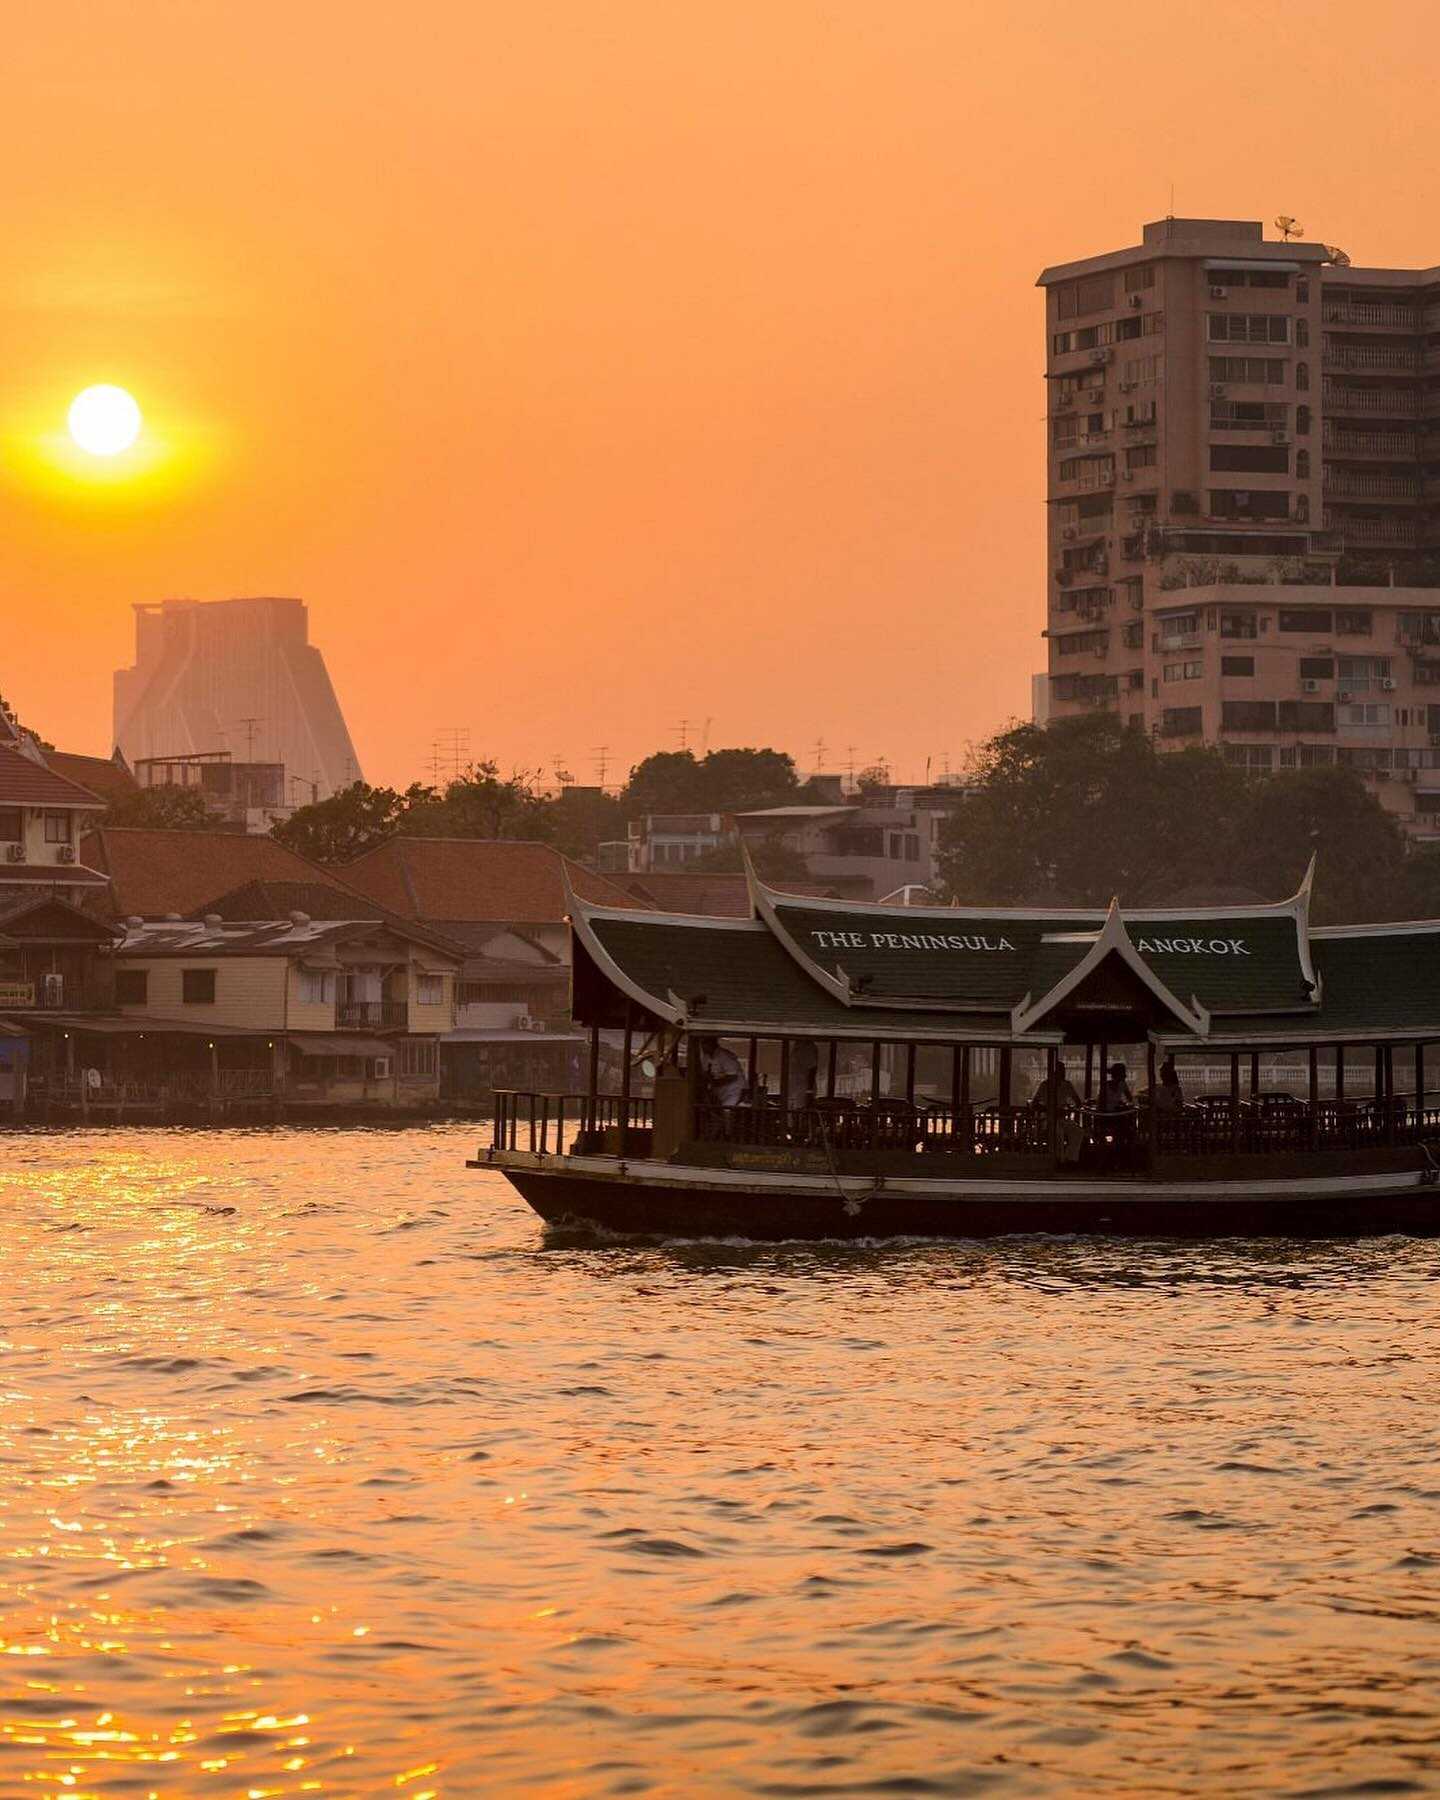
(1378, 444)
(1397, 403)
(371, 1015)
(1370, 315)
(1397, 533)
(1385, 359)
(1363, 485)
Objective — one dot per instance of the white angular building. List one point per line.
(236, 675)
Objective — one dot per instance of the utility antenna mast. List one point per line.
(250, 725)
(601, 753)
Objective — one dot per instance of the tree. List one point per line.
(479, 804)
(583, 818)
(1088, 808)
(1083, 809)
(673, 781)
(164, 808)
(351, 821)
(1328, 812)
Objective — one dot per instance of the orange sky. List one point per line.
(589, 366)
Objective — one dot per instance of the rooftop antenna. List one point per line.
(684, 730)
(601, 753)
(1171, 213)
(705, 738)
(249, 725)
(819, 754)
(1288, 227)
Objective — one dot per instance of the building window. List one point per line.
(429, 990)
(1353, 624)
(316, 987)
(1248, 503)
(1142, 456)
(1309, 619)
(1302, 334)
(415, 1056)
(1252, 459)
(1317, 668)
(1184, 671)
(131, 986)
(1267, 370)
(1302, 291)
(1302, 376)
(1249, 328)
(197, 987)
(1306, 715)
(1237, 665)
(1250, 756)
(1138, 279)
(1302, 421)
(1181, 721)
(1366, 712)
(58, 828)
(12, 825)
(1247, 715)
(1237, 624)
(1302, 465)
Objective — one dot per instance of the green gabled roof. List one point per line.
(1229, 959)
(747, 979)
(1379, 979)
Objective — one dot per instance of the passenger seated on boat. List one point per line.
(1115, 1115)
(804, 1072)
(1066, 1098)
(1169, 1096)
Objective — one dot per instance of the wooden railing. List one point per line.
(550, 1123)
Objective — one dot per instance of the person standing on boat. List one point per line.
(804, 1072)
(1169, 1097)
(1115, 1119)
(1066, 1098)
(724, 1077)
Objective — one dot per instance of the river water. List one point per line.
(325, 1473)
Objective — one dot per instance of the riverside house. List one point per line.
(304, 1013)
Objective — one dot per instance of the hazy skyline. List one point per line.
(586, 370)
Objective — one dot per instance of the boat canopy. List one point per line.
(1008, 975)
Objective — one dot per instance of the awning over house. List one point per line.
(474, 1034)
(338, 1043)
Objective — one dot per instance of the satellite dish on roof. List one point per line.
(1288, 227)
(1337, 256)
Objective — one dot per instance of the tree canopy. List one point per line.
(1086, 808)
(164, 808)
(675, 781)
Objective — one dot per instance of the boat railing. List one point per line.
(550, 1123)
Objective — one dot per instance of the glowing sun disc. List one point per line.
(104, 420)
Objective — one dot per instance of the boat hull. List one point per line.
(653, 1199)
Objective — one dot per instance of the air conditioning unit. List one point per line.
(1387, 686)
(380, 1068)
(1107, 478)
(1408, 774)
(1435, 740)
(1127, 387)
(1381, 774)
(65, 853)
(1070, 532)
(1309, 686)
(1343, 697)
(1100, 356)
(1127, 474)
(1218, 293)
(1137, 301)
(14, 853)
(1279, 437)
(1218, 390)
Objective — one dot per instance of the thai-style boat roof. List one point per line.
(1184, 976)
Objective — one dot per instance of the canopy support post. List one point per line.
(752, 1067)
(910, 1074)
(1254, 1073)
(592, 1094)
(1052, 1104)
(1339, 1073)
(1387, 1056)
(1234, 1100)
(1089, 1071)
(1153, 1124)
(1419, 1082)
(1006, 1066)
(1314, 1079)
(624, 1130)
(964, 1112)
(830, 1071)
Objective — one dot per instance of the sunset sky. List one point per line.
(588, 367)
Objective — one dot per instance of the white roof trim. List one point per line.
(763, 901)
(1112, 940)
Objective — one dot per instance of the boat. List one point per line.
(940, 1072)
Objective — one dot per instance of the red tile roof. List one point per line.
(102, 775)
(158, 872)
(717, 895)
(26, 783)
(496, 879)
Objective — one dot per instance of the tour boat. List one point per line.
(895, 1039)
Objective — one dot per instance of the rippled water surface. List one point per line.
(324, 1472)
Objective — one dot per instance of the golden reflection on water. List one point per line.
(321, 1473)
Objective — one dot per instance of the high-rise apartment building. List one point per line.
(238, 676)
(1244, 488)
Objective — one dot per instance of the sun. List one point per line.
(104, 420)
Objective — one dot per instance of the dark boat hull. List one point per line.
(665, 1200)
